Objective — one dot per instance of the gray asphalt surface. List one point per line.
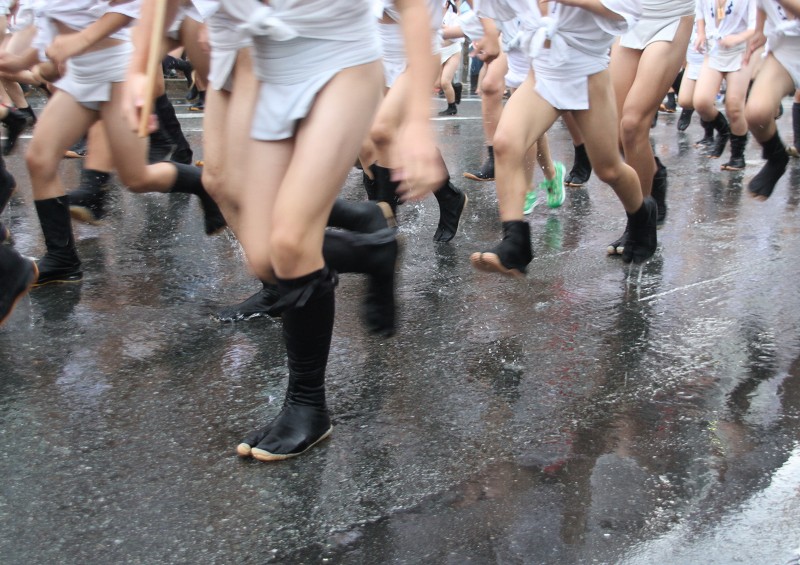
(592, 413)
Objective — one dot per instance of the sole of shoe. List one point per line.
(84, 215)
(471, 176)
(263, 455)
(391, 220)
(490, 263)
(74, 279)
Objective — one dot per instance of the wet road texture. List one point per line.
(593, 412)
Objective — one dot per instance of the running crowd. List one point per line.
(338, 82)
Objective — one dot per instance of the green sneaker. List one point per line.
(555, 187)
(530, 202)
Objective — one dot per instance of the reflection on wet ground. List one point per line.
(592, 413)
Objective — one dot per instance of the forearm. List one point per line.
(741, 37)
(415, 22)
(107, 25)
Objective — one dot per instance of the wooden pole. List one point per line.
(153, 64)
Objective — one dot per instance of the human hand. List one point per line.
(65, 46)
(420, 171)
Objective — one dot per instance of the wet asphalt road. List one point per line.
(591, 413)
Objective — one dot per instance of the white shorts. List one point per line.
(89, 76)
(394, 53)
(726, 60)
(692, 71)
(183, 12)
(787, 51)
(646, 32)
(292, 73)
(226, 41)
(519, 65)
(694, 62)
(449, 50)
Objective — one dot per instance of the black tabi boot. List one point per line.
(373, 254)
(617, 247)
(17, 275)
(451, 204)
(15, 122)
(370, 186)
(363, 217)
(486, 172)
(200, 103)
(659, 190)
(459, 89)
(385, 187)
(451, 110)
(87, 203)
(764, 182)
(581, 169)
(512, 256)
(256, 306)
(61, 263)
(308, 307)
(189, 181)
(642, 240)
(29, 115)
(172, 126)
(720, 123)
(708, 136)
(670, 105)
(7, 186)
(160, 146)
(794, 150)
(685, 119)
(738, 145)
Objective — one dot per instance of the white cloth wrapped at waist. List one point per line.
(77, 15)
(565, 27)
(283, 20)
(388, 7)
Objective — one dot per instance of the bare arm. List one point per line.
(68, 45)
(136, 83)
(421, 170)
(488, 47)
(758, 39)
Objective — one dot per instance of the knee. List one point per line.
(633, 127)
(134, 182)
(506, 147)
(735, 110)
(609, 173)
(706, 108)
(758, 114)
(287, 246)
(382, 134)
(41, 162)
(491, 87)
